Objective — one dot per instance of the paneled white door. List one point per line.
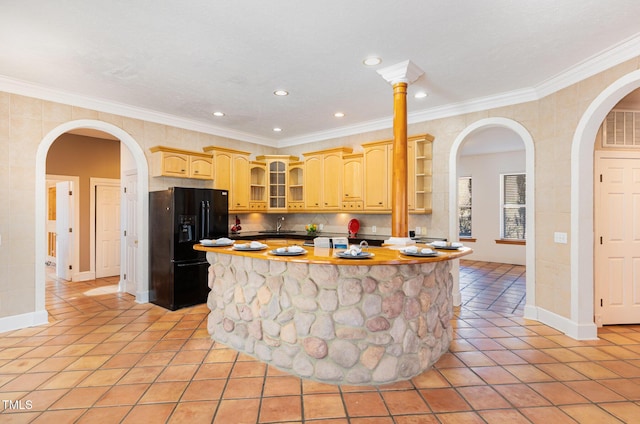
(617, 240)
(64, 229)
(107, 231)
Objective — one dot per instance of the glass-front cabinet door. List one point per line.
(277, 166)
(277, 185)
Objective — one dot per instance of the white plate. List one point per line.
(420, 254)
(213, 243)
(249, 249)
(361, 255)
(276, 253)
(453, 246)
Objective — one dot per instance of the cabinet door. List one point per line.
(201, 168)
(376, 178)
(332, 190)
(352, 179)
(277, 185)
(175, 164)
(222, 172)
(240, 182)
(313, 182)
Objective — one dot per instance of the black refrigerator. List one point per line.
(179, 218)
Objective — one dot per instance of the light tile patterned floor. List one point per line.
(106, 359)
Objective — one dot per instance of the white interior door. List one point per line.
(64, 229)
(617, 238)
(131, 232)
(107, 230)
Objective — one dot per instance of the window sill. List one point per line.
(512, 241)
(468, 239)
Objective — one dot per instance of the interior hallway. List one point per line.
(104, 358)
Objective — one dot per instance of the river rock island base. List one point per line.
(352, 324)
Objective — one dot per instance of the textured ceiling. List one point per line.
(179, 61)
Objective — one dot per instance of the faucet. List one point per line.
(279, 223)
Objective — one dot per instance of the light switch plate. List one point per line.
(374, 229)
(560, 237)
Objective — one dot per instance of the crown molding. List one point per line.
(28, 89)
(626, 50)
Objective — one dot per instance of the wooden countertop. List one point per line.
(317, 255)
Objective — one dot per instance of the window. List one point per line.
(514, 206)
(464, 206)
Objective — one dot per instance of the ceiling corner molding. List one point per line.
(615, 55)
(27, 89)
(364, 127)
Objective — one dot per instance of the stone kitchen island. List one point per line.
(342, 321)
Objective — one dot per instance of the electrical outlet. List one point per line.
(418, 231)
(560, 238)
(321, 226)
(374, 229)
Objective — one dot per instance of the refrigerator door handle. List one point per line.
(204, 219)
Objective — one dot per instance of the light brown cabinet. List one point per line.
(232, 174)
(277, 167)
(258, 186)
(420, 170)
(352, 182)
(323, 179)
(171, 162)
(377, 160)
(296, 187)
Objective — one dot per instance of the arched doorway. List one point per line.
(530, 310)
(141, 213)
(582, 189)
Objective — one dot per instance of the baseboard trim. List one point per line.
(84, 276)
(142, 296)
(570, 328)
(16, 322)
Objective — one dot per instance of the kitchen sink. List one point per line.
(276, 232)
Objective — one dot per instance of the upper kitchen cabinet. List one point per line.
(323, 179)
(378, 160)
(171, 162)
(420, 171)
(232, 174)
(352, 182)
(258, 186)
(277, 169)
(295, 184)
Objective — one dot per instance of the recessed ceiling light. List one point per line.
(281, 93)
(339, 115)
(276, 129)
(372, 61)
(218, 113)
(420, 95)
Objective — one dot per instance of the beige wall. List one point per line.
(551, 121)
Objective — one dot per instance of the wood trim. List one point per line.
(211, 149)
(468, 239)
(156, 149)
(510, 241)
(289, 158)
(343, 150)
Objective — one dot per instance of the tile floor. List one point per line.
(105, 359)
(492, 286)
